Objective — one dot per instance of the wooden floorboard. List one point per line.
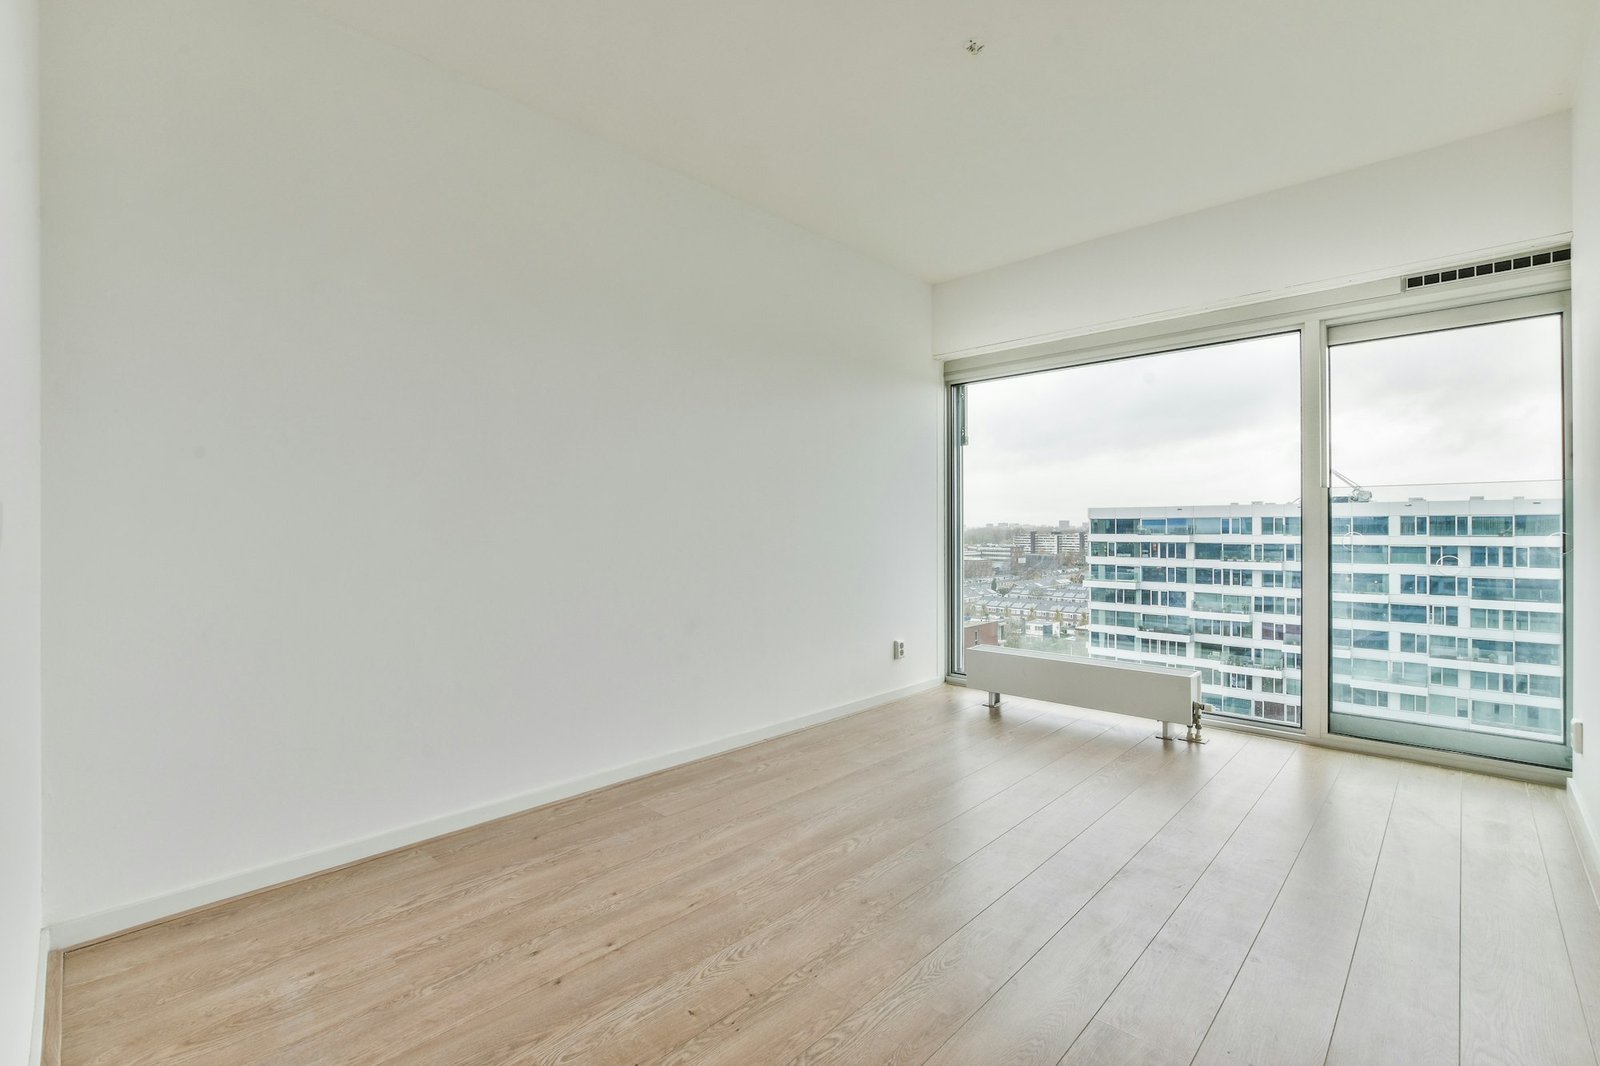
(923, 882)
(837, 889)
(1519, 999)
(1191, 963)
(1284, 1000)
(1040, 1008)
(1412, 926)
(1574, 899)
(512, 1029)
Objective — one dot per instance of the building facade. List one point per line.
(1038, 541)
(1444, 613)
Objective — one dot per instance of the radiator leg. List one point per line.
(1166, 731)
(994, 701)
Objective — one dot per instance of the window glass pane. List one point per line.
(1190, 458)
(1447, 459)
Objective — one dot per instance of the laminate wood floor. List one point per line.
(923, 882)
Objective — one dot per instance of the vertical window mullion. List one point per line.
(1315, 535)
(955, 437)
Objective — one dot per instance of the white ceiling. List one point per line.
(867, 120)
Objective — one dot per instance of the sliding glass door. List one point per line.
(1447, 564)
(1143, 509)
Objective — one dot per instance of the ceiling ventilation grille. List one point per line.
(1498, 266)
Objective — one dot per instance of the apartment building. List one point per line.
(1443, 613)
(1040, 541)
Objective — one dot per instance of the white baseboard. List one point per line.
(1584, 831)
(41, 979)
(70, 932)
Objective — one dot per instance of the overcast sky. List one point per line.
(1221, 424)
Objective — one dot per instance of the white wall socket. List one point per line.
(899, 649)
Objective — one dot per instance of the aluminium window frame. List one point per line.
(1482, 313)
(1367, 310)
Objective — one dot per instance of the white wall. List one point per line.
(406, 451)
(1504, 188)
(1586, 426)
(19, 528)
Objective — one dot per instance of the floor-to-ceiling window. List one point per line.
(1146, 510)
(1446, 590)
(1349, 519)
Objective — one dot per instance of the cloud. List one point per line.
(1221, 424)
(1473, 405)
(1204, 425)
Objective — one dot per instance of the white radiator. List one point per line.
(1163, 693)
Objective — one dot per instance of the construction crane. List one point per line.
(1357, 493)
